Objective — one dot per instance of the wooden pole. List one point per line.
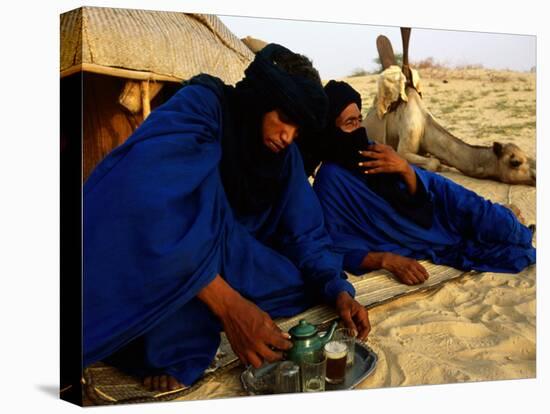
(145, 100)
(121, 73)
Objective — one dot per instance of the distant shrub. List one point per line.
(358, 72)
(427, 63)
(470, 66)
(398, 59)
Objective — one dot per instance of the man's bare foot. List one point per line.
(162, 383)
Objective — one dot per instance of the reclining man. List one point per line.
(383, 212)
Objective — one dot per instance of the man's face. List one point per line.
(350, 118)
(278, 131)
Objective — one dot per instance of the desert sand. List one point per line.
(481, 326)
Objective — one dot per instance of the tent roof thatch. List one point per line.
(143, 44)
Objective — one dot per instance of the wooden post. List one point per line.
(145, 101)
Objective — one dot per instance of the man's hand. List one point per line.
(250, 331)
(407, 270)
(386, 160)
(353, 314)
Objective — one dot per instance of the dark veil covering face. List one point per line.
(343, 148)
(251, 173)
(323, 146)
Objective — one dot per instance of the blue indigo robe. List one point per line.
(158, 228)
(468, 232)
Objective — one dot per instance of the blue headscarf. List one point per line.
(251, 173)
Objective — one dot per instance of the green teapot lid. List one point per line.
(303, 329)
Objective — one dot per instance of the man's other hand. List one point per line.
(353, 314)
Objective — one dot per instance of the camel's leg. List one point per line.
(408, 148)
(428, 163)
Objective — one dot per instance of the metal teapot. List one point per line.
(307, 343)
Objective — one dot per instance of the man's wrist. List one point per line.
(409, 176)
(374, 260)
(218, 296)
(408, 171)
(343, 297)
(334, 288)
(386, 260)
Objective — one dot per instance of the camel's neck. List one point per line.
(471, 160)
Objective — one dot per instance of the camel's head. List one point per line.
(391, 88)
(514, 166)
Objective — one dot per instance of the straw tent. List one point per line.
(122, 63)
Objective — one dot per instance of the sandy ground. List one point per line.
(480, 327)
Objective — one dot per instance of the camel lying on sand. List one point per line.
(399, 118)
(413, 132)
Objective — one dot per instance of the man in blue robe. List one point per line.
(383, 212)
(203, 221)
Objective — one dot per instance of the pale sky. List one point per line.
(336, 49)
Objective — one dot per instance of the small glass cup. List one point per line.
(336, 353)
(313, 375)
(287, 378)
(347, 336)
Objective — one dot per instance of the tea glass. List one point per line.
(336, 353)
(313, 375)
(287, 378)
(347, 336)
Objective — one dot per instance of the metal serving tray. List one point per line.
(261, 381)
